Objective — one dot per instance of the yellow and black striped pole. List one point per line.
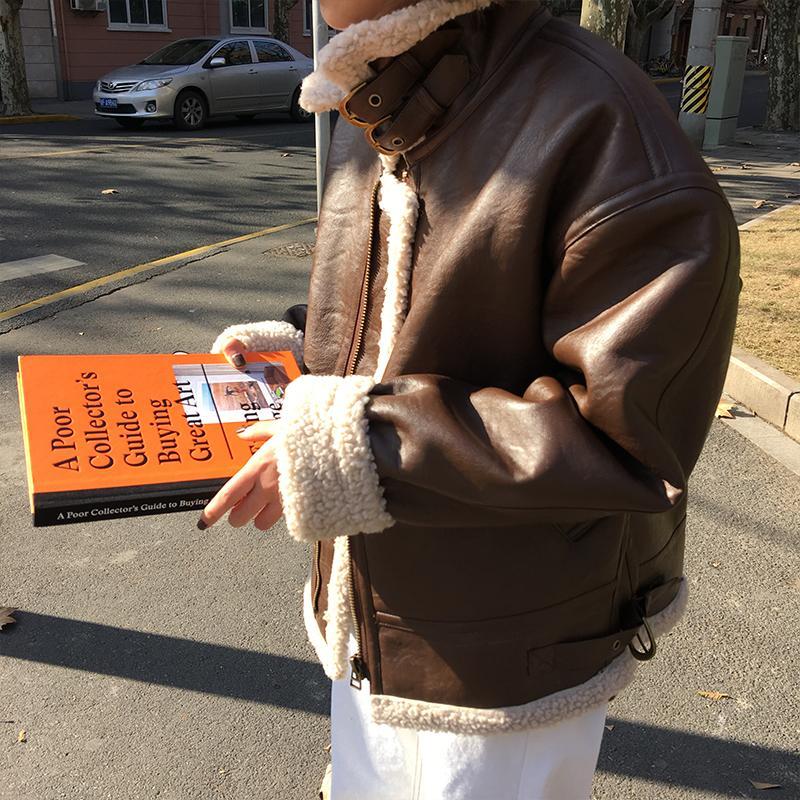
(696, 89)
(699, 69)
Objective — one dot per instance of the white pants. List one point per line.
(381, 762)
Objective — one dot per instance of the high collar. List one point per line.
(344, 62)
(409, 78)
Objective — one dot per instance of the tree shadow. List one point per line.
(722, 767)
(168, 661)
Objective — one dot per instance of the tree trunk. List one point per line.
(783, 106)
(280, 28)
(606, 18)
(636, 37)
(13, 82)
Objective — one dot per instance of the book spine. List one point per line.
(68, 511)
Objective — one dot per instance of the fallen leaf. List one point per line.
(795, 164)
(6, 616)
(744, 166)
(746, 143)
(609, 727)
(759, 203)
(110, 191)
(715, 564)
(22, 737)
(286, 155)
(762, 785)
(717, 169)
(724, 410)
(715, 696)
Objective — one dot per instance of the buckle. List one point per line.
(370, 134)
(345, 111)
(648, 649)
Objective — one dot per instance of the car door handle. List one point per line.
(292, 69)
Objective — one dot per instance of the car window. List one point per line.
(181, 53)
(269, 51)
(235, 53)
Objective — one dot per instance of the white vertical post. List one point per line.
(322, 122)
(699, 69)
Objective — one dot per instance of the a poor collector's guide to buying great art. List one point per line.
(110, 436)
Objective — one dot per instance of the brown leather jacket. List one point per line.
(570, 311)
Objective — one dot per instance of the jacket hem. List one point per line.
(422, 715)
(332, 664)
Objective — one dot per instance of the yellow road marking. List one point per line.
(139, 268)
(96, 149)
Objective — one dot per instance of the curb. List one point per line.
(27, 118)
(766, 391)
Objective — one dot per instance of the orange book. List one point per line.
(111, 436)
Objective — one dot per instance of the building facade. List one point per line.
(67, 48)
(69, 44)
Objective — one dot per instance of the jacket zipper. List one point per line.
(357, 666)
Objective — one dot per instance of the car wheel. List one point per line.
(191, 111)
(130, 124)
(296, 111)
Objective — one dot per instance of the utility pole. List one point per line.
(699, 69)
(322, 122)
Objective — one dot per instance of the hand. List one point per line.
(234, 350)
(252, 493)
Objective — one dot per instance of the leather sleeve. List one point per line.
(638, 317)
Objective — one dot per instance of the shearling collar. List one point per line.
(344, 62)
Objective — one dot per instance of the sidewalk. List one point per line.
(761, 166)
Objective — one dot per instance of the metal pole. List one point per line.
(699, 69)
(322, 122)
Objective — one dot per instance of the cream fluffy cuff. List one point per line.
(326, 471)
(271, 335)
(344, 62)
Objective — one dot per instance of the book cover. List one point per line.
(109, 436)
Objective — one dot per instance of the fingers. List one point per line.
(248, 508)
(259, 431)
(234, 351)
(227, 497)
(268, 516)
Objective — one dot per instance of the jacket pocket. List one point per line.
(574, 533)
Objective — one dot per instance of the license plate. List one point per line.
(108, 102)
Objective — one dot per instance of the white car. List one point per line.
(191, 80)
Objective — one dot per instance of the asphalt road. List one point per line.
(753, 109)
(174, 192)
(152, 660)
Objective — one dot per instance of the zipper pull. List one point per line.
(357, 672)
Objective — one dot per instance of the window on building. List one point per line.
(307, 20)
(235, 53)
(758, 35)
(249, 15)
(745, 25)
(269, 51)
(134, 13)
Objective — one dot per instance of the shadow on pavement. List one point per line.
(167, 661)
(721, 767)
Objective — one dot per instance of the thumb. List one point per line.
(234, 351)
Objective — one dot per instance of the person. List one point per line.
(519, 319)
